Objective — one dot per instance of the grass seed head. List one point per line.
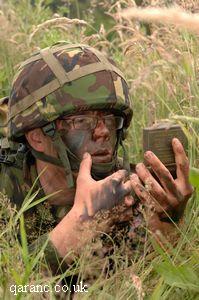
(172, 16)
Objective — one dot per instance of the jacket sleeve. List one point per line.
(49, 253)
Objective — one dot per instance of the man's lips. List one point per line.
(102, 156)
(101, 152)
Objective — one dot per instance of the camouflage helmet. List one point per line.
(62, 80)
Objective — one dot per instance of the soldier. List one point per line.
(69, 110)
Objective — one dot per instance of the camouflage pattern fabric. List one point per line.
(36, 102)
(41, 218)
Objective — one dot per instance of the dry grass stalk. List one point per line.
(91, 38)
(137, 283)
(144, 74)
(102, 44)
(62, 21)
(174, 16)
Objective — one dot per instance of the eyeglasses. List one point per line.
(84, 122)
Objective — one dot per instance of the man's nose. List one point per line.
(101, 132)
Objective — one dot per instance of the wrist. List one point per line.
(79, 213)
(67, 235)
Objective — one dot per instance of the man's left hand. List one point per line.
(165, 200)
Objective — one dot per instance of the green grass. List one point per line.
(162, 71)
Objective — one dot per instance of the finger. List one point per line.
(127, 187)
(182, 162)
(118, 176)
(120, 190)
(182, 169)
(85, 167)
(146, 198)
(129, 200)
(163, 175)
(116, 179)
(139, 189)
(167, 203)
(151, 184)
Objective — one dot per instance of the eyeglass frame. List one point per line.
(97, 118)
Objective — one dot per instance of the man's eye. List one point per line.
(67, 124)
(82, 123)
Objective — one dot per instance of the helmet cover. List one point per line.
(63, 80)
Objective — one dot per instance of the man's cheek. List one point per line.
(76, 141)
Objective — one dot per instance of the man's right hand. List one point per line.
(92, 196)
(76, 228)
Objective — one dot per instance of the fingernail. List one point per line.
(148, 154)
(177, 144)
(85, 155)
(133, 176)
(175, 141)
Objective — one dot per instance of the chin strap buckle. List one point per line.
(49, 129)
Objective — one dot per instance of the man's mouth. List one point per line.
(102, 156)
(101, 152)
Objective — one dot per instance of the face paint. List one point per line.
(76, 141)
(100, 142)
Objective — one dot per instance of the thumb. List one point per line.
(85, 166)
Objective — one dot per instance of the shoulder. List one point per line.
(12, 184)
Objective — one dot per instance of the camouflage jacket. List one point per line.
(40, 219)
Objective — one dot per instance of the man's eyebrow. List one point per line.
(88, 112)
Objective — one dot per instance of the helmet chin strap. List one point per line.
(71, 162)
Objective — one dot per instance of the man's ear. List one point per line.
(36, 139)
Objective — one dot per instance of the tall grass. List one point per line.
(162, 71)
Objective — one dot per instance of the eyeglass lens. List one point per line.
(90, 122)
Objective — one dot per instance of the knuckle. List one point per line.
(184, 166)
(118, 172)
(115, 181)
(188, 192)
(121, 171)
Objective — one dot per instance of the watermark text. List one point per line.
(45, 288)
